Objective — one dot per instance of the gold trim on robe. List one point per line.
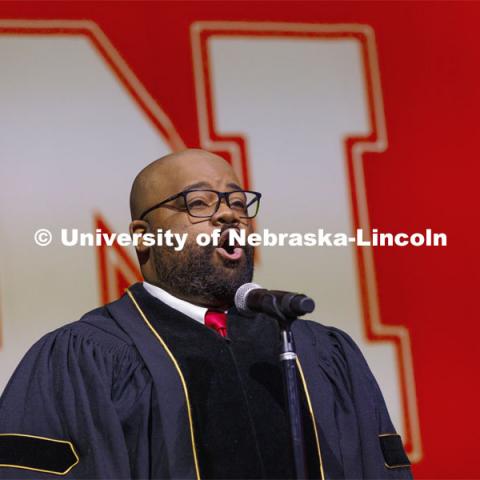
(180, 374)
(66, 442)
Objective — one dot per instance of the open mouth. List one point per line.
(227, 250)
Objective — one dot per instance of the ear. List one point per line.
(137, 229)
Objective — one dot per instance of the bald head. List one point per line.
(170, 174)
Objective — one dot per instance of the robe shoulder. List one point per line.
(341, 359)
(84, 383)
(337, 368)
(336, 350)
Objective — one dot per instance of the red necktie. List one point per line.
(217, 321)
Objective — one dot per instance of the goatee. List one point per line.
(192, 273)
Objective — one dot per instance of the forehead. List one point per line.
(182, 172)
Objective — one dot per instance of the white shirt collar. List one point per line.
(187, 308)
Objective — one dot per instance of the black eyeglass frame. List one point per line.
(220, 196)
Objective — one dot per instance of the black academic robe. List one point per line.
(136, 389)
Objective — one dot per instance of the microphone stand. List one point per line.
(288, 359)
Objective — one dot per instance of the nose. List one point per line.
(225, 215)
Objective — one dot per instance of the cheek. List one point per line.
(181, 224)
(176, 223)
(204, 228)
(192, 227)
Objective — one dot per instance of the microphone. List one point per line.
(251, 298)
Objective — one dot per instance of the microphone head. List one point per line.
(241, 296)
(305, 305)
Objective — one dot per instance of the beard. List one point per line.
(193, 273)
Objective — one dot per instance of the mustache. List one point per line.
(230, 226)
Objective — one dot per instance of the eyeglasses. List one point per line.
(205, 203)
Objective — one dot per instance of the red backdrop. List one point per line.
(429, 59)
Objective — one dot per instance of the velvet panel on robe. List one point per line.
(107, 385)
(235, 392)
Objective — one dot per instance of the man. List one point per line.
(163, 384)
